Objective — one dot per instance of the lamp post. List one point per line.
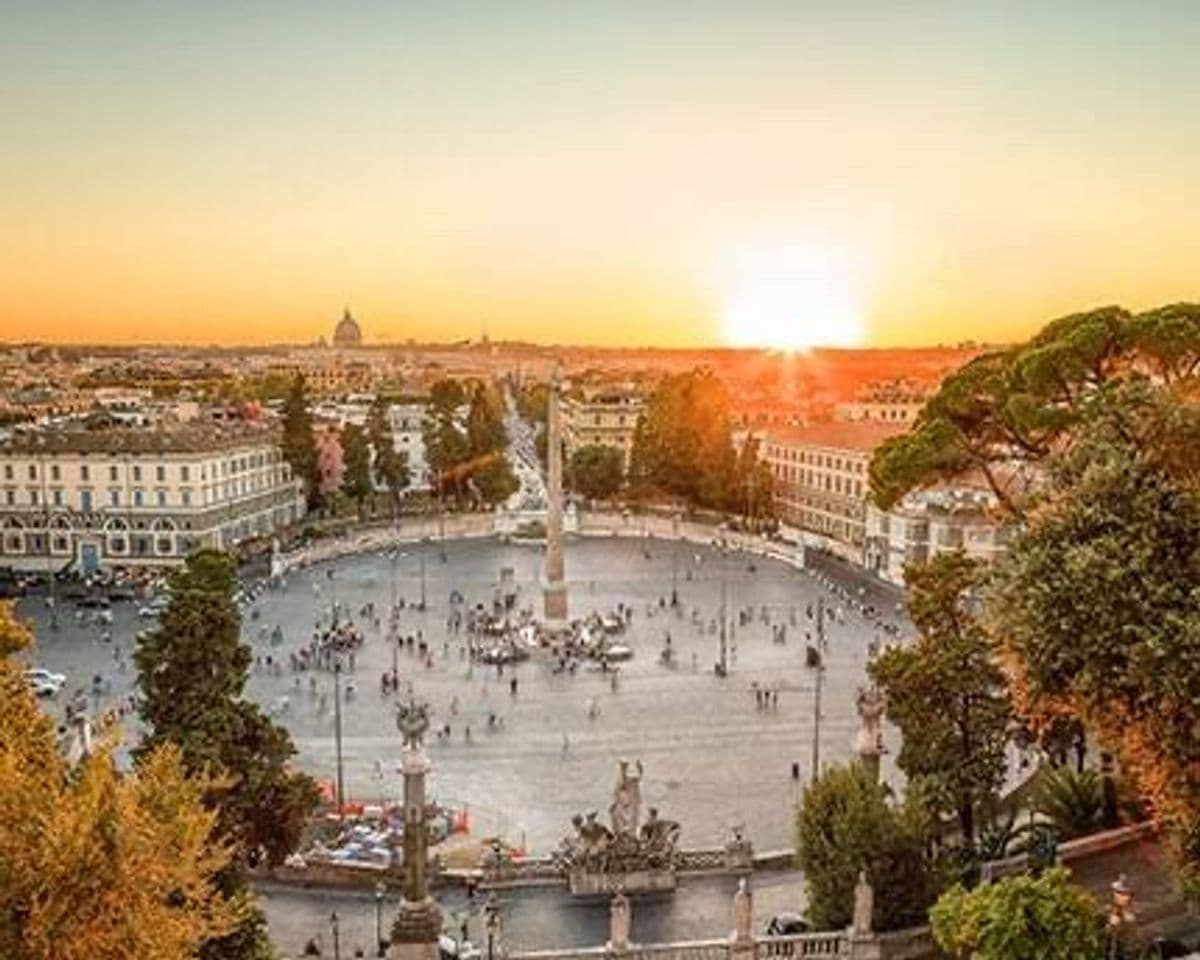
(337, 936)
(491, 914)
(337, 734)
(675, 557)
(380, 945)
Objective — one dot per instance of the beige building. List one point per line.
(603, 419)
(820, 474)
(929, 522)
(897, 402)
(88, 499)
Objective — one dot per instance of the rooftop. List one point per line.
(863, 435)
(182, 438)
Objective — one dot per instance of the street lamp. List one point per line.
(380, 945)
(337, 733)
(337, 936)
(491, 914)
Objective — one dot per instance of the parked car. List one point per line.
(43, 688)
(46, 676)
(786, 925)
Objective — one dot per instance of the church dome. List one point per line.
(347, 332)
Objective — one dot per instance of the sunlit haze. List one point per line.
(593, 173)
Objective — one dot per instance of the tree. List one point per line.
(597, 471)
(493, 478)
(754, 486)
(299, 443)
(356, 456)
(485, 421)
(389, 465)
(1072, 801)
(845, 824)
(192, 672)
(1020, 918)
(1097, 607)
(92, 863)
(947, 693)
(682, 445)
(447, 395)
(1094, 609)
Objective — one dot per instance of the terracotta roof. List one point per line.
(191, 438)
(858, 435)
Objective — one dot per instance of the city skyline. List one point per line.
(605, 175)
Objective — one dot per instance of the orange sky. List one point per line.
(656, 173)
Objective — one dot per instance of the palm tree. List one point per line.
(1072, 801)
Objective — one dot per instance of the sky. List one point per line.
(788, 173)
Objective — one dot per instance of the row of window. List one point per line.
(818, 481)
(139, 498)
(826, 460)
(233, 465)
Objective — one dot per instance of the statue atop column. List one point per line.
(419, 921)
(872, 704)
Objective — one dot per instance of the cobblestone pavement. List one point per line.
(712, 758)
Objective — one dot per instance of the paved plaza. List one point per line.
(712, 757)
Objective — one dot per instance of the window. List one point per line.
(160, 473)
(164, 545)
(33, 471)
(33, 497)
(55, 472)
(137, 498)
(114, 497)
(137, 474)
(85, 500)
(185, 497)
(58, 499)
(162, 498)
(10, 497)
(112, 474)
(185, 474)
(8, 471)
(84, 473)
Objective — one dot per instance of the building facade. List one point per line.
(929, 522)
(604, 419)
(820, 474)
(408, 437)
(92, 499)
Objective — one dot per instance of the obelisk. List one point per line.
(419, 922)
(554, 587)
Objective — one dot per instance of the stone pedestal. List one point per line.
(590, 883)
(416, 930)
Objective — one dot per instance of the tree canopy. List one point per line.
(299, 444)
(1020, 918)
(95, 864)
(597, 471)
(947, 694)
(1094, 610)
(847, 823)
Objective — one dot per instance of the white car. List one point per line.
(42, 675)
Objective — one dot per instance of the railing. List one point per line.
(829, 944)
(916, 943)
(712, 858)
(686, 950)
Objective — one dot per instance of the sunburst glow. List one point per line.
(792, 299)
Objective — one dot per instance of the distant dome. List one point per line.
(347, 333)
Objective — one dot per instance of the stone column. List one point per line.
(419, 920)
(554, 589)
(741, 941)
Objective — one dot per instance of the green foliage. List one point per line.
(1020, 918)
(1021, 404)
(390, 466)
(753, 490)
(682, 443)
(1098, 604)
(1072, 801)
(356, 456)
(597, 471)
(192, 672)
(845, 824)
(447, 395)
(947, 694)
(299, 444)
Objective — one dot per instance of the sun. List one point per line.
(792, 299)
